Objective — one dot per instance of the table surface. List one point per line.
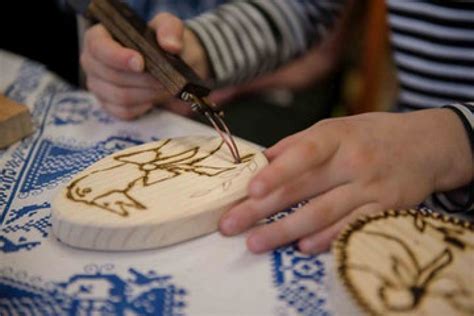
(211, 275)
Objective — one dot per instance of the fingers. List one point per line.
(97, 69)
(126, 113)
(102, 47)
(295, 160)
(321, 241)
(318, 214)
(251, 211)
(125, 97)
(169, 32)
(277, 149)
(115, 73)
(246, 214)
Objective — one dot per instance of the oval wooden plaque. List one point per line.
(153, 195)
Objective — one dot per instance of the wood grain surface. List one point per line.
(153, 195)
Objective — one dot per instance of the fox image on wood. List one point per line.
(153, 195)
(143, 169)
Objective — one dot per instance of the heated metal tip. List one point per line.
(79, 6)
(204, 107)
(221, 127)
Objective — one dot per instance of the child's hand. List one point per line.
(115, 73)
(348, 167)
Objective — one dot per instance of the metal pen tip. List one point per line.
(203, 106)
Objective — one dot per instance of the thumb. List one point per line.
(169, 32)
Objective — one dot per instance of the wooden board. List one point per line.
(153, 195)
(15, 122)
(408, 262)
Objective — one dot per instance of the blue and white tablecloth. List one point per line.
(212, 275)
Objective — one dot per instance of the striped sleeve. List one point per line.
(244, 39)
(433, 45)
(460, 200)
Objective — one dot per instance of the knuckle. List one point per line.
(325, 122)
(342, 127)
(359, 158)
(292, 193)
(271, 174)
(308, 149)
(287, 192)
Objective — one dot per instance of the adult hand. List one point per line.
(347, 167)
(115, 74)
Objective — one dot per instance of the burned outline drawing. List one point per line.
(147, 161)
(405, 273)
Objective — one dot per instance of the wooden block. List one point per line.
(408, 262)
(15, 122)
(153, 195)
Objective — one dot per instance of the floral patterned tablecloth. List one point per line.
(212, 275)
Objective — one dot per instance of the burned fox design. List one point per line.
(423, 262)
(148, 167)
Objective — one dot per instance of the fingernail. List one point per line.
(136, 63)
(256, 244)
(228, 226)
(257, 189)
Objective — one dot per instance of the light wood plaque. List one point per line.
(408, 262)
(153, 195)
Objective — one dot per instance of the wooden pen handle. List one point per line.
(131, 31)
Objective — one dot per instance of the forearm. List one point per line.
(461, 198)
(246, 38)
